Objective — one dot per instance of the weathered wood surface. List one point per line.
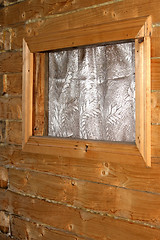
(75, 220)
(3, 177)
(82, 194)
(4, 237)
(39, 94)
(14, 132)
(4, 222)
(11, 62)
(2, 131)
(10, 108)
(108, 10)
(13, 84)
(22, 229)
(121, 173)
(129, 174)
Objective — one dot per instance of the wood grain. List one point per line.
(3, 177)
(10, 108)
(27, 93)
(56, 34)
(14, 132)
(13, 84)
(4, 222)
(130, 174)
(111, 200)
(155, 140)
(77, 220)
(155, 74)
(22, 229)
(155, 47)
(155, 107)
(11, 62)
(39, 95)
(4, 236)
(109, 10)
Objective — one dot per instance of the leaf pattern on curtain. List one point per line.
(92, 93)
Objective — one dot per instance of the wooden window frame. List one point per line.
(139, 29)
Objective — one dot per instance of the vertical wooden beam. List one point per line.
(143, 97)
(27, 92)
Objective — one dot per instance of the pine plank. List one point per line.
(109, 10)
(27, 95)
(11, 62)
(82, 222)
(84, 194)
(53, 34)
(3, 177)
(22, 229)
(155, 74)
(156, 107)
(129, 173)
(10, 108)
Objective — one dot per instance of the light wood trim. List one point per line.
(143, 98)
(50, 38)
(138, 28)
(77, 148)
(27, 92)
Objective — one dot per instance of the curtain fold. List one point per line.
(92, 93)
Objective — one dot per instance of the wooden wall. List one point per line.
(47, 197)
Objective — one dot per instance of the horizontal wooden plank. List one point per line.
(116, 169)
(14, 132)
(11, 62)
(53, 34)
(35, 9)
(10, 108)
(155, 140)
(13, 84)
(4, 222)
(110, 10)
(22, 229)
(155, 74)
(89, 195)
(78, 148)
(79, 221)
(3, 177)
(155, 98)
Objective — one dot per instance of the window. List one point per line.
(138, 29)
(92, 92)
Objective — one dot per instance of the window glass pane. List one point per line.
(92, 93)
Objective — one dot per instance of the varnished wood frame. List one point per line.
(139, 29)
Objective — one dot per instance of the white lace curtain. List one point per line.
(92, 93)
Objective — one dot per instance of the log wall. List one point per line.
(48, 197)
